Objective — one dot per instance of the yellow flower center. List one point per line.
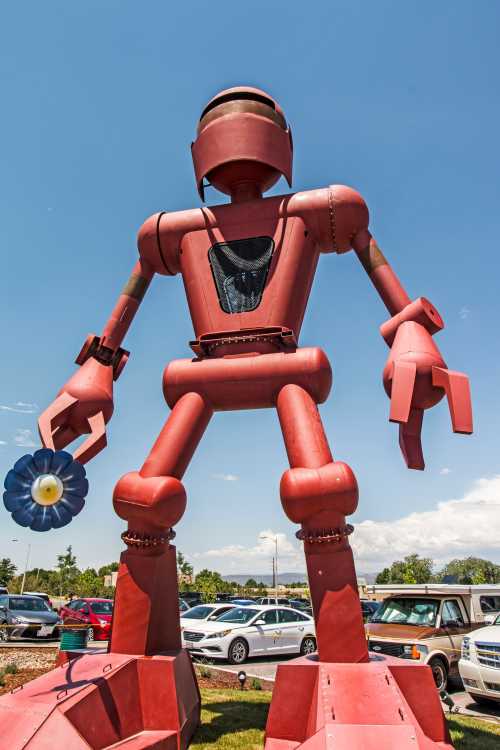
(47, 489)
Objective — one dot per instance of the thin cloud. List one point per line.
(24, 439)
(464, 313)
(3, 442)
(445, 470)
(226, 477)
(20, 407)
(461, 527)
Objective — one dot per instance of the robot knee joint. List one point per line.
(158, 501)
(308, 493)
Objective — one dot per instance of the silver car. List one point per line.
(26, 617)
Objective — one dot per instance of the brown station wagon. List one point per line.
(427, 622)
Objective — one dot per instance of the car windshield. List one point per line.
(407, 611)
(199, 613)
(497, 620)
(27, 604)
(102, 608)
(239, 615)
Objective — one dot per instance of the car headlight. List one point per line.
(466, 648)
(15, 620)
(415, 651)
(103, 623)
(220, 634)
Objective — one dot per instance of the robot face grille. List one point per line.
(240, 269)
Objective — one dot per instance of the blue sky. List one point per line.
(99, 104)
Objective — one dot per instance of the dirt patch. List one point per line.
(211, 677)
(12, 681)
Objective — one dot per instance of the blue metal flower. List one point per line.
(45, 490)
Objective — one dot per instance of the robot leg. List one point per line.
(153, 500)
(318, 493)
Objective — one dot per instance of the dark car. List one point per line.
(96, 614)
(303, 605)
(192, 598)
(26, 617)
(368, 609)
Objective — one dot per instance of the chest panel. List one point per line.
(248, 275)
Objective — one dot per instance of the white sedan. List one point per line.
(251, 631)
(479, 666)
(204, 613)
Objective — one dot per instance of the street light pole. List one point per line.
(274, 538)
(25, 565)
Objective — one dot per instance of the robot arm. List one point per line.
(85, 404)
(415, 375)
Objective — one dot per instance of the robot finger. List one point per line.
(95, 442)
(63, 436)
(409, 440)
(403, 383)
(53, 417)
(457, 389)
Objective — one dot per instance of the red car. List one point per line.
(96, 613)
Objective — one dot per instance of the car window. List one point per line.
(451, 611)
(287, 615)
(490, 603)
(282, 601)
(239, 615)
(102, 608)
(27, 604)
(199, 613)
(75, 604)
(4, 601)
(408, 611)
(270, 617)
(302, 618)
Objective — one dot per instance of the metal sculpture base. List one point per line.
(384, 703)
(105, 701)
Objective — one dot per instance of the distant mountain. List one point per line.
(284, 578)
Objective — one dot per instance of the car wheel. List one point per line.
(90, 634)
(439, 672)
(4, 633)
(238, 651)
(308, 646)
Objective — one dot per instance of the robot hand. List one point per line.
(83, 405)
(416, 378)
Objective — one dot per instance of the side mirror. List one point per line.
(451, 624)
(260, 622)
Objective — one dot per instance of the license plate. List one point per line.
(45, 630)
(189, 644)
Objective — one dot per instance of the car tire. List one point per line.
(237, 652)
(439, 672)
(4, 633)
(308, 645)
(90, 634)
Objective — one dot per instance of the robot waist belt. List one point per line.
(248, 382)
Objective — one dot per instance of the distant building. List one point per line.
(110, 580)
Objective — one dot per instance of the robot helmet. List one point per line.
(242, 136)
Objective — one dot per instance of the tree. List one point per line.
(251, 584)
(7, 571)
(413, 569)
(471, 570)
(209, 583)
(106, 570)
(67, 572)
(184, 572)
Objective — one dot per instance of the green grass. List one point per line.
(233, 720)
(471, 734)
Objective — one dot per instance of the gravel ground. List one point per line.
(28, 658)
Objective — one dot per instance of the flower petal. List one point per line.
(15, 500)
(43, 460)
(16, 483)
(61, 460)
(42, 520)
(74, 503)
(61, 516)
(76, 487)
(74, 471)
(24, 516)
(25, 467)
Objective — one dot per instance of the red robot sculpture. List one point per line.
(247, 268)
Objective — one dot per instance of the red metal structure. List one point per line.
(248, 267)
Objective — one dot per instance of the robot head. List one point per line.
(242, 137)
